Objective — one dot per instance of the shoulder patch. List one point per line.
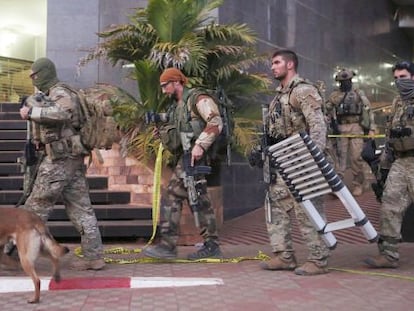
(308, 93)
(305, 90)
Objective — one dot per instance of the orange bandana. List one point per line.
(173, 74)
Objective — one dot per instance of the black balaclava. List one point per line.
(345, 85)
(405, 87)
(45, 71)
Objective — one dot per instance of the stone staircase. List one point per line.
(117, 216)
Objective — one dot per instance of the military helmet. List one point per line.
(344, 74)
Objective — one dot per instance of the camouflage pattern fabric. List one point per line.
(399, 187)
(399, 113)
(351, 125)
(353, 148)
(208, 111)
(172, 206)
(62, 172)
(206, 124)
(300, 110)
(282, 204)
(398, 195)
(66, 179)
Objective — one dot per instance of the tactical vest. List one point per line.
(284, 118)
(169, 133)
(401, 133)
(190, 120)
(350, 105)
(180, 120)
(59, 139)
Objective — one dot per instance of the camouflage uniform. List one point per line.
(61, 174)
(295, 108)
(204, 122)
(350, 123)
(399, 188)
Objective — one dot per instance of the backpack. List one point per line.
(98, 129)
(221, 147)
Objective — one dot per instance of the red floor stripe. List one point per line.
(91, 283)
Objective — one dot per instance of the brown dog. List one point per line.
(32, 238)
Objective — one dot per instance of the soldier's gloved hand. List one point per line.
(255, 157)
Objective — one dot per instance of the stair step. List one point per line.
(7, 169)
(117, 217)
(109, 212)
(106, 212)
(9, 107)
(12, 145)
(16, 182)
(13, 124)
(11, 197)
(10, 156)
(13, 134)
(11, 183)
(13, 115)
(114, 228)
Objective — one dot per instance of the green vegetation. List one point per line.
(183, 34)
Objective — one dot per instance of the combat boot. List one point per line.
(161, 251)
(95, 264)
(311, 268)
(381, 261)
(279, 263)
(210, 249)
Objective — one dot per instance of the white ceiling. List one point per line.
(24, 16)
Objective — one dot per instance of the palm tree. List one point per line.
(182, 34)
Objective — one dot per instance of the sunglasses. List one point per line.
(164, 84)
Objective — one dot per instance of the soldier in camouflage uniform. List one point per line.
(399, 187)
(61, 174)
(296, 107)
(352, 111)
(203, 120)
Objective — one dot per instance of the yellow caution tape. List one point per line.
(156, 194)
(388, 275)
(123, 251)
(356, 136)
(260, 256)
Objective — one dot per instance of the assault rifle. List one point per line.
(264, 144)
(371, 155)
(258, 155)
(155, 118)
(194, 188)
(334, 125)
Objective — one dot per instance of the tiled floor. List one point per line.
(349, 286)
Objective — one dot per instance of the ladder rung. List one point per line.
(341, 224)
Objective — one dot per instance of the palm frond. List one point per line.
(246, 134)
(188, 54)
(172, 19)
(182, 34)
(233, 34)
(147, 74)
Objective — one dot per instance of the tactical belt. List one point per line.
(348, 119)
(59, 149)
